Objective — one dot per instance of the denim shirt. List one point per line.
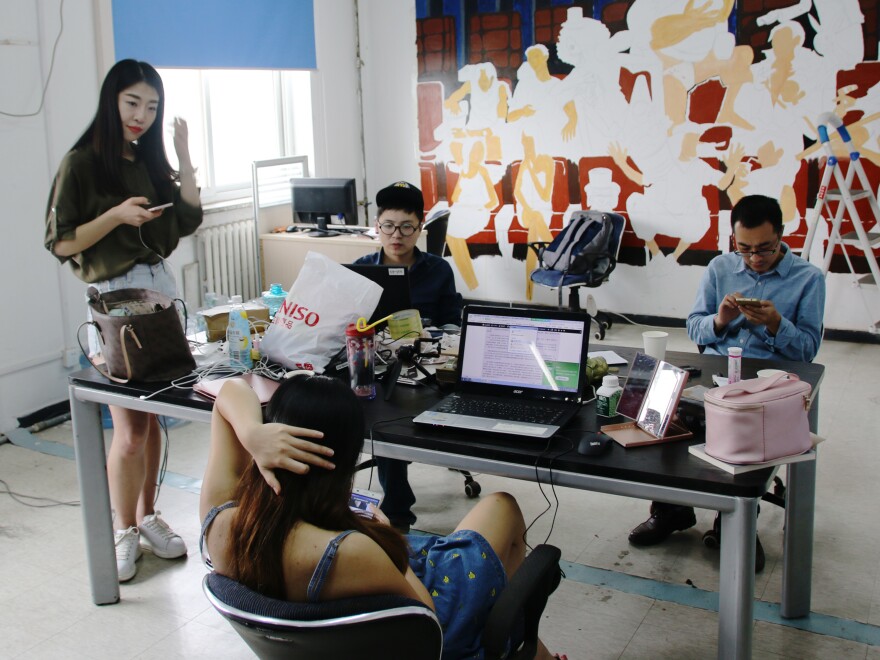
(796, 288)
(431, 287)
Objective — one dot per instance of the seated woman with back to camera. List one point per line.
(275, 502)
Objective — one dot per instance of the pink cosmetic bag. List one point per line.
(758, 420)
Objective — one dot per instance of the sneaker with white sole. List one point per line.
(128, 551)
(159, 538)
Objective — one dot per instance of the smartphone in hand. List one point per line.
(748, 302)
(361, 499)
(160, 207)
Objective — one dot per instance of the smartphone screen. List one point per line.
(361, 499)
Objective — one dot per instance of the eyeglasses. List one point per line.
(405, 229)
(758, 253)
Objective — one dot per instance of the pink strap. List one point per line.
(755, 385)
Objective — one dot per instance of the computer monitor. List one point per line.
(320, 202)
(394, 281)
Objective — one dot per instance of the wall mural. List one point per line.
(666, 112)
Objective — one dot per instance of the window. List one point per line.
(236, 117)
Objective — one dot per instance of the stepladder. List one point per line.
(841, 196)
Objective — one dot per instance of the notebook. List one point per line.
(520, 372)
(394, 281)
(264, 387)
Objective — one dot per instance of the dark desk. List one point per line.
(663, 472)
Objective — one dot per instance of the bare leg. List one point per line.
(152, 457)
(497, 517)
(499, 520)
(126, 464)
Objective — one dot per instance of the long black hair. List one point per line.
(264, 520)
(105, 135)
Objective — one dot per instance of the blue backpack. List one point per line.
(583, 246)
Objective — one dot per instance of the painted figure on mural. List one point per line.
(487, 112)
(473, 200)
(671, 176)
(535, 106)
(679, 100)
(693, 44)
(533, 192)
(838, 28)
(593, 100)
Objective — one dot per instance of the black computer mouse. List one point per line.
(593, 444)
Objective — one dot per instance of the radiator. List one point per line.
(227, 254)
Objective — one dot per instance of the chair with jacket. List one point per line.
(384, 626)
(584, 254)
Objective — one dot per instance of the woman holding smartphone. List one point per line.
(116, 209)
(276, 515)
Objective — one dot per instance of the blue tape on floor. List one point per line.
(688, 596)
(821, 624)
(23, 438)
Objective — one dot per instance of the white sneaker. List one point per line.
(158, 537)
(128, 551)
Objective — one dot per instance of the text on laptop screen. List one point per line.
(538, 353)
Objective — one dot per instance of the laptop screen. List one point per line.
(394, 281)
(542, 352)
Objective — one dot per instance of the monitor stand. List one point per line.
(321, 229)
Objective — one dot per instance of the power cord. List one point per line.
(51, 69)
(552, 485)
(20, 497)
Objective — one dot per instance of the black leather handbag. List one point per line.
(140, 334)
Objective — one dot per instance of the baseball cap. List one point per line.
(401, 195)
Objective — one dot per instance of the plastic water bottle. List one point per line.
(608, 396)
(238, 334)
(273, 298)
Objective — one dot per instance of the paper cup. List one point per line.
(406, 323)
(655, 343)
(766, 373)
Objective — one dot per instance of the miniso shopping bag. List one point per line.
(309, 328)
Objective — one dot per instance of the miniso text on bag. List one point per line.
(309, 328)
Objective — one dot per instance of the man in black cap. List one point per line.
(399, 220)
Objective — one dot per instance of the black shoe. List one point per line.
(664, 520)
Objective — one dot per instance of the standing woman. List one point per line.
(98, 221)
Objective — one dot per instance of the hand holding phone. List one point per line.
(361, 500)
(160, 207)
(749, 302)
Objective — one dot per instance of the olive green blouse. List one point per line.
(76, 198)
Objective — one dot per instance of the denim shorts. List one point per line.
(142, 276)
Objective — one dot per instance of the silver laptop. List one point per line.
(520, 372)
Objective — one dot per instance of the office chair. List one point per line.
(383, 626)
(435, 232)
(588, 265)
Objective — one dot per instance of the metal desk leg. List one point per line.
(797, 553)
(736, 607)
(91, 467)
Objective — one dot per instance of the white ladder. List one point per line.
(846, 195)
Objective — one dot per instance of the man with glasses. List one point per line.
(399, 219)
(783, 321)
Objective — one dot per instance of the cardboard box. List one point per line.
(217, 318)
